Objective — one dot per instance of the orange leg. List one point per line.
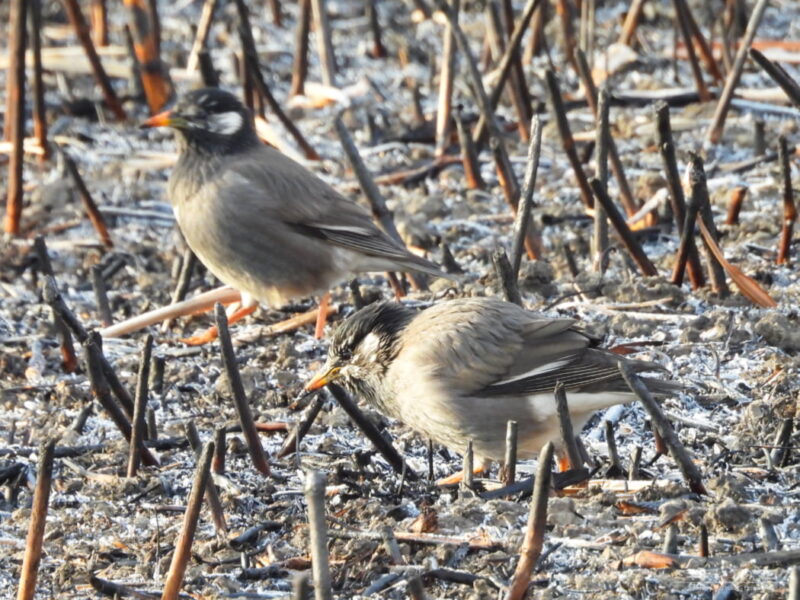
(322, 315)
(456, 478)
(211, 333)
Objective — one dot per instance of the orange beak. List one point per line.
(322, 378)
(164, 119)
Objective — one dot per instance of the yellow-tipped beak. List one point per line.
(323, 378)
(163, 119)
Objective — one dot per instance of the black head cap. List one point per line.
(381, 323)
(213, 120)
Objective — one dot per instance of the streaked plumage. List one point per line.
(261, 222)
(459, 370)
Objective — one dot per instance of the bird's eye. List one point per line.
(345, 354)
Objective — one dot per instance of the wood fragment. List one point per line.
(183, 545)
(534, 532)
(254, 447)
(633, 466)
(35, 539)
(714, 133)
(702, 541)
(318, 536)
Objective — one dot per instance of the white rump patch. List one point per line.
(226, 123)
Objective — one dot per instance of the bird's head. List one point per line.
(362, 348)
(209, 120)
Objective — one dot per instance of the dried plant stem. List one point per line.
(318, 534)
(615, 466)
(322, 29)
(508, 473)
(82, 31)
(565, 425)
(522, 220)
(714, 133)
(138, 429)
(300, 61)
(534, 532)
(93, 356)
(14, 129)
(504, 67)
(183, 545)
(560, 116)
(506, 277)
(377, 203)
(381, 444)
(446, 78)
(602, 144)
(212, 496)
(617, 220)
(254, 69)
(291, 444)
(592, 98)
(101, 296)
(679, 454)
(144, 30)
(257, 454)
(89, 205)
(779, 76)
(631, 22)
(697, 178)
(39, 116)
(513, 85)
(681, 10)
(666, 147)
(469, 156)
(789, 210)
(35, 540)
(203, 29)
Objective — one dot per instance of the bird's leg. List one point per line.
(211, 333)
(322, 315)
(396, 285)
(456, 478)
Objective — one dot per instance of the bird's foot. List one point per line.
(458, 477)
(211, 333)
(322, 316)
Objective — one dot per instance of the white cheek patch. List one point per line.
(368, 348)
(226, 123)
